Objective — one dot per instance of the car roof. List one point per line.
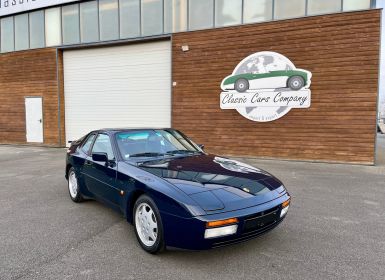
(130, 129)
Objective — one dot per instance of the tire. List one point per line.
(296, 83)
(73, 186)
(241, 85)
(148, 225)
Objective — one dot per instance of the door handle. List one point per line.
(87, 162)
(40, 120)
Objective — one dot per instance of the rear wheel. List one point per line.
(241, 85)
(73, 186)
(296, 82)
(148, 225)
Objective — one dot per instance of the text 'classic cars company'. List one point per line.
(266, 86)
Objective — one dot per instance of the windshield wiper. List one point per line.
(181, 152)
(147, 155)
(174, 152)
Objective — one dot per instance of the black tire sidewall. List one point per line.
(159, 244)
(78, 197)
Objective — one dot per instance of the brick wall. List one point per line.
(22, 74)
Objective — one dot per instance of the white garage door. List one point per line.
(123, 86)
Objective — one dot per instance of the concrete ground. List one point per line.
(335, 228)
(380, 159)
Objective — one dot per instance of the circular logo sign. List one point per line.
(266, 86)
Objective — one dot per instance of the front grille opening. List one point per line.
(261, 220)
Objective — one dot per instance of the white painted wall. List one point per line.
(381, 101)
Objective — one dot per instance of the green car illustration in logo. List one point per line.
(293, 79)
(265, 86)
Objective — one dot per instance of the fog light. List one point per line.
(221, 231)
(284, 211)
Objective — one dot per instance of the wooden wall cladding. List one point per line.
(342, 52)
(22, 74)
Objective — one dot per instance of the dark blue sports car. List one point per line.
(174, 193)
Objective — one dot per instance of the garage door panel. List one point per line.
(145, 67)
(137, 75)
(125, 86)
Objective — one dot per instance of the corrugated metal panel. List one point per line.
(123, 86)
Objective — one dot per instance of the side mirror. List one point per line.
(100, 157)
(201, 146)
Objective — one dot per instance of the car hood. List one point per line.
(215, 183)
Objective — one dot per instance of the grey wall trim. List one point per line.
(188, 15)
(306, 7)
(242, 10)
(45, 39)
(163, 17)
(118, 18)
(140, 18)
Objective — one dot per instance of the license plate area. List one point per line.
(261, 221)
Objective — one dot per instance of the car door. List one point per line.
(100, 177)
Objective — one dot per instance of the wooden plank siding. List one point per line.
(341, 50)
(22, 74)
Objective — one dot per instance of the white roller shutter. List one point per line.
(123, 86)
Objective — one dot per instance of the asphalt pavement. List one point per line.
(335, 228)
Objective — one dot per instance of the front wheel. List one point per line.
(148, 225)
(296, 82)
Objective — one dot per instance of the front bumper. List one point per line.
(254, 221)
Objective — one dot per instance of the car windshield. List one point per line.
(154, 143)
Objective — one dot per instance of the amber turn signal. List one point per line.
(286, 203)
(222, 222)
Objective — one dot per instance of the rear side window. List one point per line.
(87, 144)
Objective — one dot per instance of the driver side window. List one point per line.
(103, 145)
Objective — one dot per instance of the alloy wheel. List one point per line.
(73, 184)
(146, 224)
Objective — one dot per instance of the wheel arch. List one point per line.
(68, 167)
(164, 202)
(131, 203)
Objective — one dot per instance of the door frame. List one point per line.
(42, 116)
